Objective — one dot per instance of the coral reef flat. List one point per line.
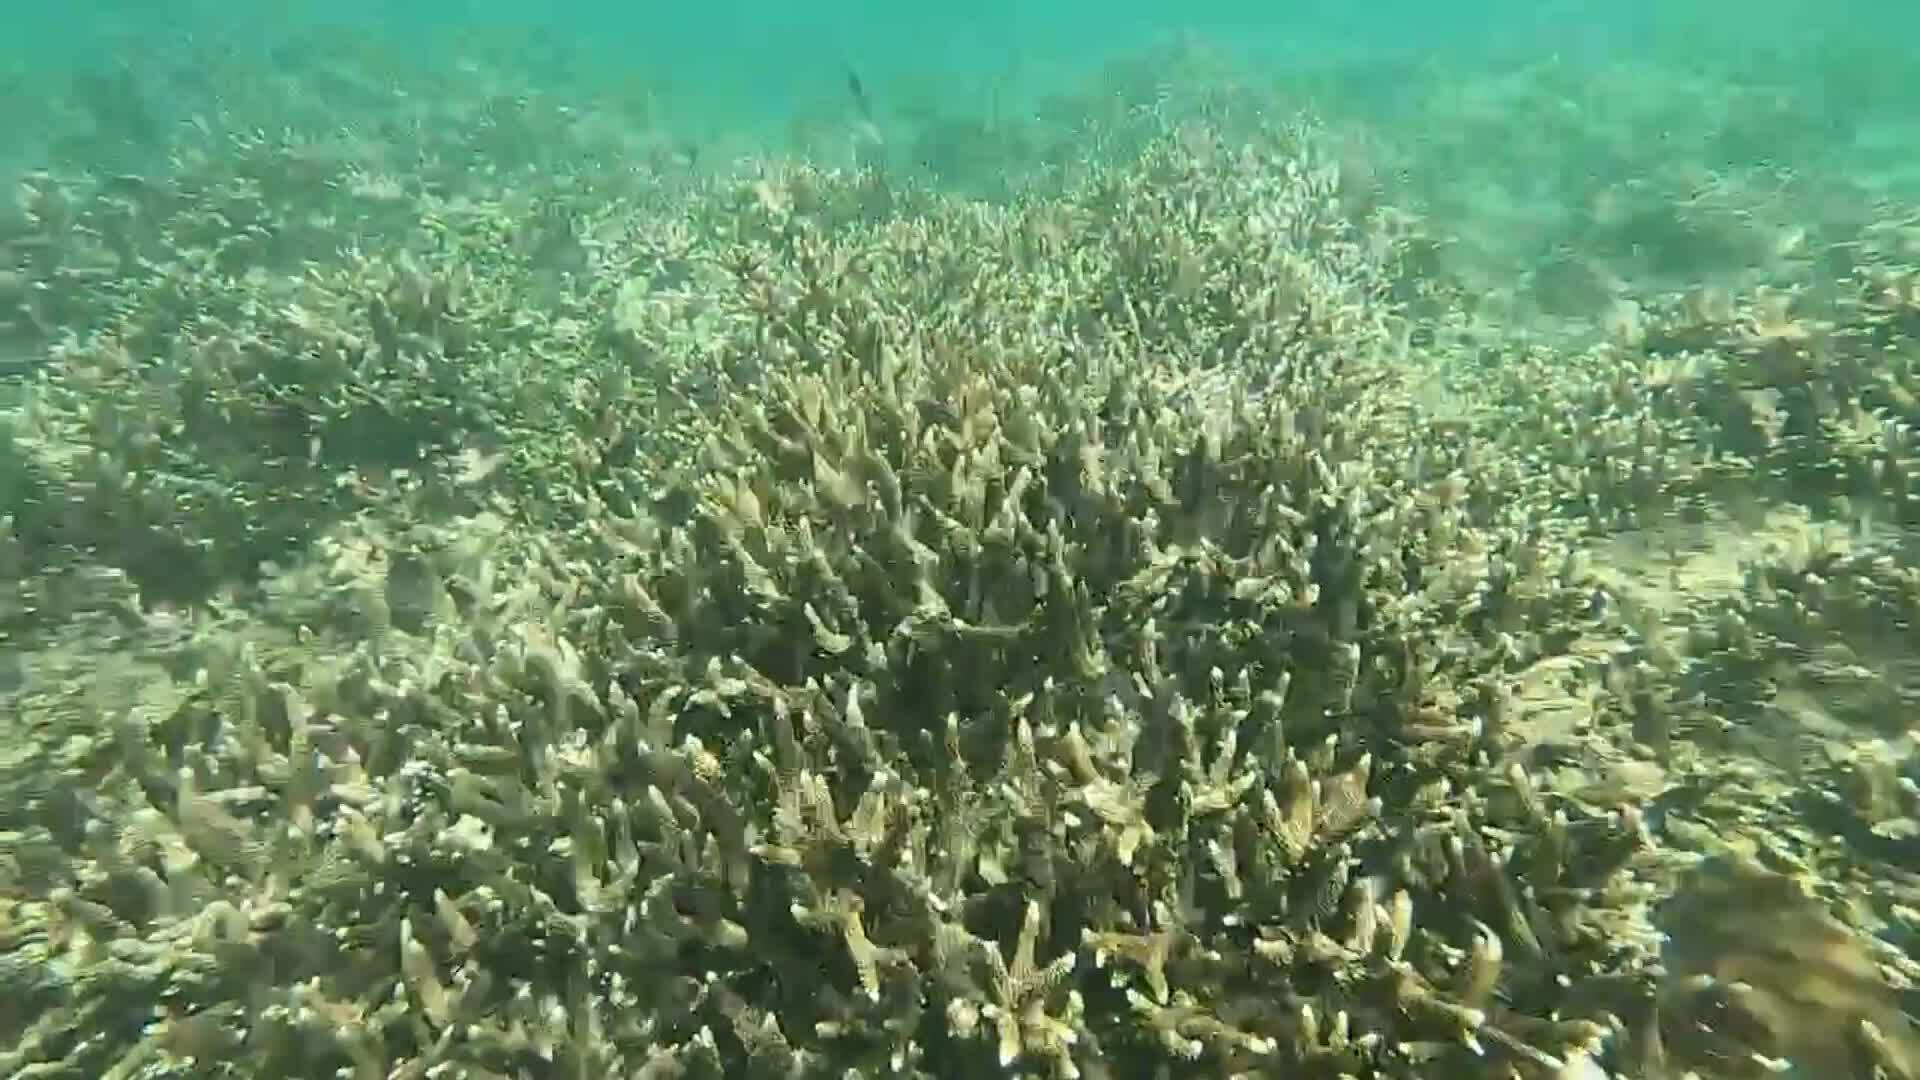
(1205, 576)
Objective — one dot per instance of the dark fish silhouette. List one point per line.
(859, 92)
(867, 129)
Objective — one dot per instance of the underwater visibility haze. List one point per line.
(1126, 542)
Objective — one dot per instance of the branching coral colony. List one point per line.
(1080, 659)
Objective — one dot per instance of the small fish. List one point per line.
(859, 92)
(867, 128)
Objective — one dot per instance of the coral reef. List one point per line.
(974, 701)
(609, 621)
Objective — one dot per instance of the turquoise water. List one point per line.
(754, 65)
(1127, 541)
(1801, 86)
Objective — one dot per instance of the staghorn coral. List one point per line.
(1146, 672)
(967, 705)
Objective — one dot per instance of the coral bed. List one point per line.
(806, 624)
